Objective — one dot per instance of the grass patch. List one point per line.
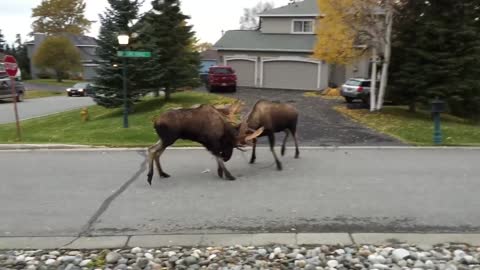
(416, 128)
(41, 94)
(105, 125)
(65, 83)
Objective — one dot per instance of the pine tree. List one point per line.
(117, 19)
(440, 57)
(165, 33)
(408, 84)
(2, 41)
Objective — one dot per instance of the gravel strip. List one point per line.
(398, 257)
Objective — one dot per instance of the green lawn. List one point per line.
(105, 125)
(65, 83)
(416, 128)
(40, 94)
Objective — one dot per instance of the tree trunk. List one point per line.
(387, 56)
(373, 84)
(412, 106)
(167, 94)
(58, 74)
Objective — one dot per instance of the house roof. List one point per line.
(252, 40)
(307, 8)
(77, 40)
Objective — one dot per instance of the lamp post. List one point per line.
(438, 106)
(123, 41)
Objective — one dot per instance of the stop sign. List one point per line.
(10, 65)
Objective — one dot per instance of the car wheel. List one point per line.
(234, 88)
(211, 89)
(349, 99)
(69, 94)
(21, 97)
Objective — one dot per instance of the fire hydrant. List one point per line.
(84, 114)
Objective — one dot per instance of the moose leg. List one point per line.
(152, 152)
(157, 163)
(219, 169)
(284, 142)
(254, 147)
(294, 134)
(271, 139)
(228, 175)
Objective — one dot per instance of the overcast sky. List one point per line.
(209, 17)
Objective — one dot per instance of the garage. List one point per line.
(291, 74)
(245, 69)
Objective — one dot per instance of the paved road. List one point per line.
(44, 87)
(66, 193)
(41, 106)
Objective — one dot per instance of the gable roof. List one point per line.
(252, 40)
(77, 40)
(306, 8)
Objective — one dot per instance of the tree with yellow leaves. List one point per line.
(335, 39)
(367, 22)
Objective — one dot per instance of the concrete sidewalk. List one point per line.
(217, 240)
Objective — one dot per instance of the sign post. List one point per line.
(125, 55)
(11, 68)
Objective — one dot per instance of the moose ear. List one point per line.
(254, 135)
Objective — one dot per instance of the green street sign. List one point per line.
(134, 54)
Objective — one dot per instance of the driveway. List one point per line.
(31, 108)
(319, 124)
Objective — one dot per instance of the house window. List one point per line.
(303, 26)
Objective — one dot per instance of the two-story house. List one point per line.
(85, 45)
(279, 54)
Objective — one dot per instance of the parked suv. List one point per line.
(221, 77)
(6, 86)
(356, 88)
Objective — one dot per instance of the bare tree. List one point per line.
(249, 20)
(372, 21)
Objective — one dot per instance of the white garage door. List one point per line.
(290, 75)
(245, 71)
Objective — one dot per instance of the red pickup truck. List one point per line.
(221, 77)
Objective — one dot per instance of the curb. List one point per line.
(260, 239)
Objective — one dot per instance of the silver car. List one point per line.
(356, 88)
(6, 87)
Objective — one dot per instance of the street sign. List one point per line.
(11, 66)
(134, 54)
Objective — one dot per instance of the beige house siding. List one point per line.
(276, 25)
(281, 25)
(359, 68)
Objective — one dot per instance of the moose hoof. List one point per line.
(279, 166)
(297, 156)
(220, 173)
(149, 179)
(231, 178)
(252, 161)
(164, 175)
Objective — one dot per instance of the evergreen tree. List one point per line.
(2, 41)
(117, 20)
(175, 62)
(439, 58)
(21, 54)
